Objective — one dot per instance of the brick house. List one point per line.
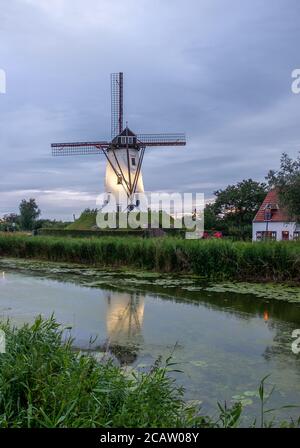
(272, 222)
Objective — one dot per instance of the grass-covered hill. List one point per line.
(87, 220)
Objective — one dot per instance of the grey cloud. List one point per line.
(222, 74)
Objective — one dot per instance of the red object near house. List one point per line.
(217, 234)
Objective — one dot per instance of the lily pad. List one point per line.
(199, 363)
(268, 291)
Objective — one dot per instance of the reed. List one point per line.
(45, 383)
(217, 259)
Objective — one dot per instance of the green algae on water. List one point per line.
(264, 290)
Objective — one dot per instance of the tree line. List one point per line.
(27, 219)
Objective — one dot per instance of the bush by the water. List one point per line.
(45, 383)
(212, 258)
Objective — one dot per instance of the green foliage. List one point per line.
(44, 383)
(234, 209)
(50, 224)
(238, 204)
(287, 181)
(10, 223)
(217, 259)
(211, 220)
(65, 233)
(29, 212)
(86, 221)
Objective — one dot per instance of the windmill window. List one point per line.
(133, 161)
(119, 181)
(127, 140)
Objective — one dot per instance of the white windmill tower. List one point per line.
(124, 153)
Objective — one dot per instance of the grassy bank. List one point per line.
(264, 261)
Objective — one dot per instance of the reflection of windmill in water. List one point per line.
(124, 321)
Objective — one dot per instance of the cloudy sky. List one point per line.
(219, 70)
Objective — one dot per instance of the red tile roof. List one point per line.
(278, 215)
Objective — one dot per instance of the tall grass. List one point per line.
(44, 383)
(210, 258)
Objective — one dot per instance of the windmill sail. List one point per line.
(124, 153)
(162, 139)
(116, 104)
(78, 148)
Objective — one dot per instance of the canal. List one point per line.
(224, 338)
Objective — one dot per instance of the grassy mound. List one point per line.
(86, 221)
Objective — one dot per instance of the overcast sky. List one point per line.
(219, 70)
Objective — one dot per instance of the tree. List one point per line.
(29, 212)
(238, 204)
(10, 222)
(210, 217)
(287, 181)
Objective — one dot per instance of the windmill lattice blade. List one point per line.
(78, 148)
(162, 139)
(116, 103)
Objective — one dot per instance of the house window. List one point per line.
(266, 235)
(269, 235)
(133, 161)
(258, 236)
(297, 236)
(285, 235)
(130, 140)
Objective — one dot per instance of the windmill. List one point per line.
(124, 153)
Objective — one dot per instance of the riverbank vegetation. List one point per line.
(213, 259)
(44, 382)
